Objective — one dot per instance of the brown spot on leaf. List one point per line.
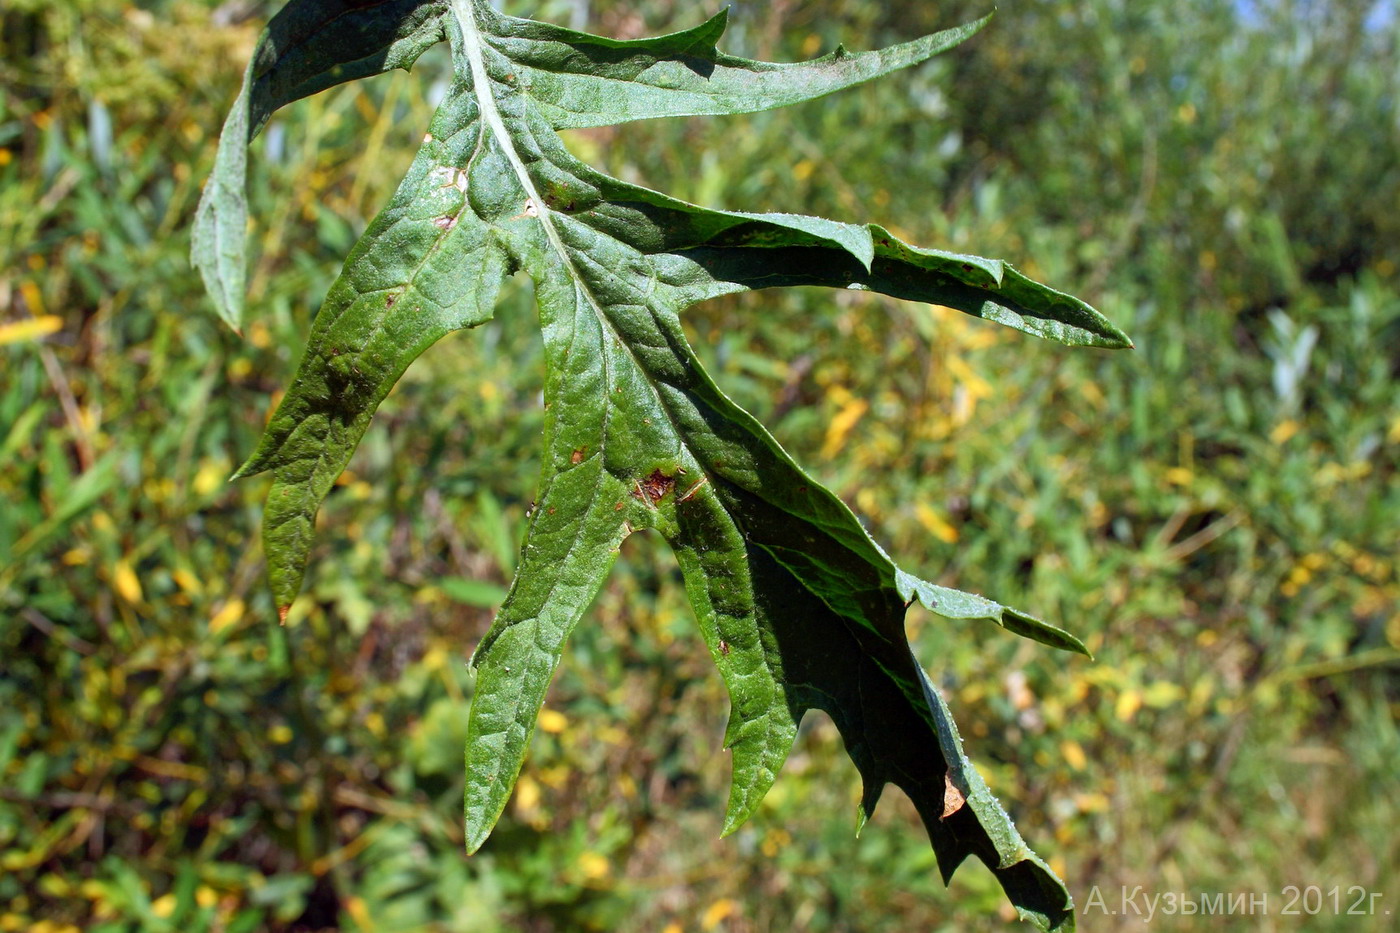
(724, 647)
(953, 799)
(389, 300)
(282, 614)
(654, 487)
(577, 456)
(619, 507)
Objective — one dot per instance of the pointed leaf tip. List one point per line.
(477, 832)
(956, 604)
(1028, 626)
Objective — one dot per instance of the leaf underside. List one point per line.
(800, 608)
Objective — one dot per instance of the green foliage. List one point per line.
(1240, 666)
(798, 605)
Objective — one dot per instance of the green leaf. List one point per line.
(799, 606)
(577, 80)
(480, 593)
(307, 47)
(427, 265)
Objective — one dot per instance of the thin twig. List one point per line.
(64, 390)
(1203, 537)
(37, 619)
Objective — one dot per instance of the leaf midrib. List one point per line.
(491, 118)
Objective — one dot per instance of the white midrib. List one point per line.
(491, 118)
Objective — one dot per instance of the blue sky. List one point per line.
(1383, 13)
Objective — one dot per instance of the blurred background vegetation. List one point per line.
(1215, 512)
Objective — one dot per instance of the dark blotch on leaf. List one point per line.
(654, 487)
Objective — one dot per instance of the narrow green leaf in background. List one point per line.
(799, 607)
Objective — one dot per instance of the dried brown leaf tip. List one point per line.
(953, 799)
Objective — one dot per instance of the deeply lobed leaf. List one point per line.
(800, 608)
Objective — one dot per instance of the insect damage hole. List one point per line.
(531, 210)
(654, 487)
(455, 178)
